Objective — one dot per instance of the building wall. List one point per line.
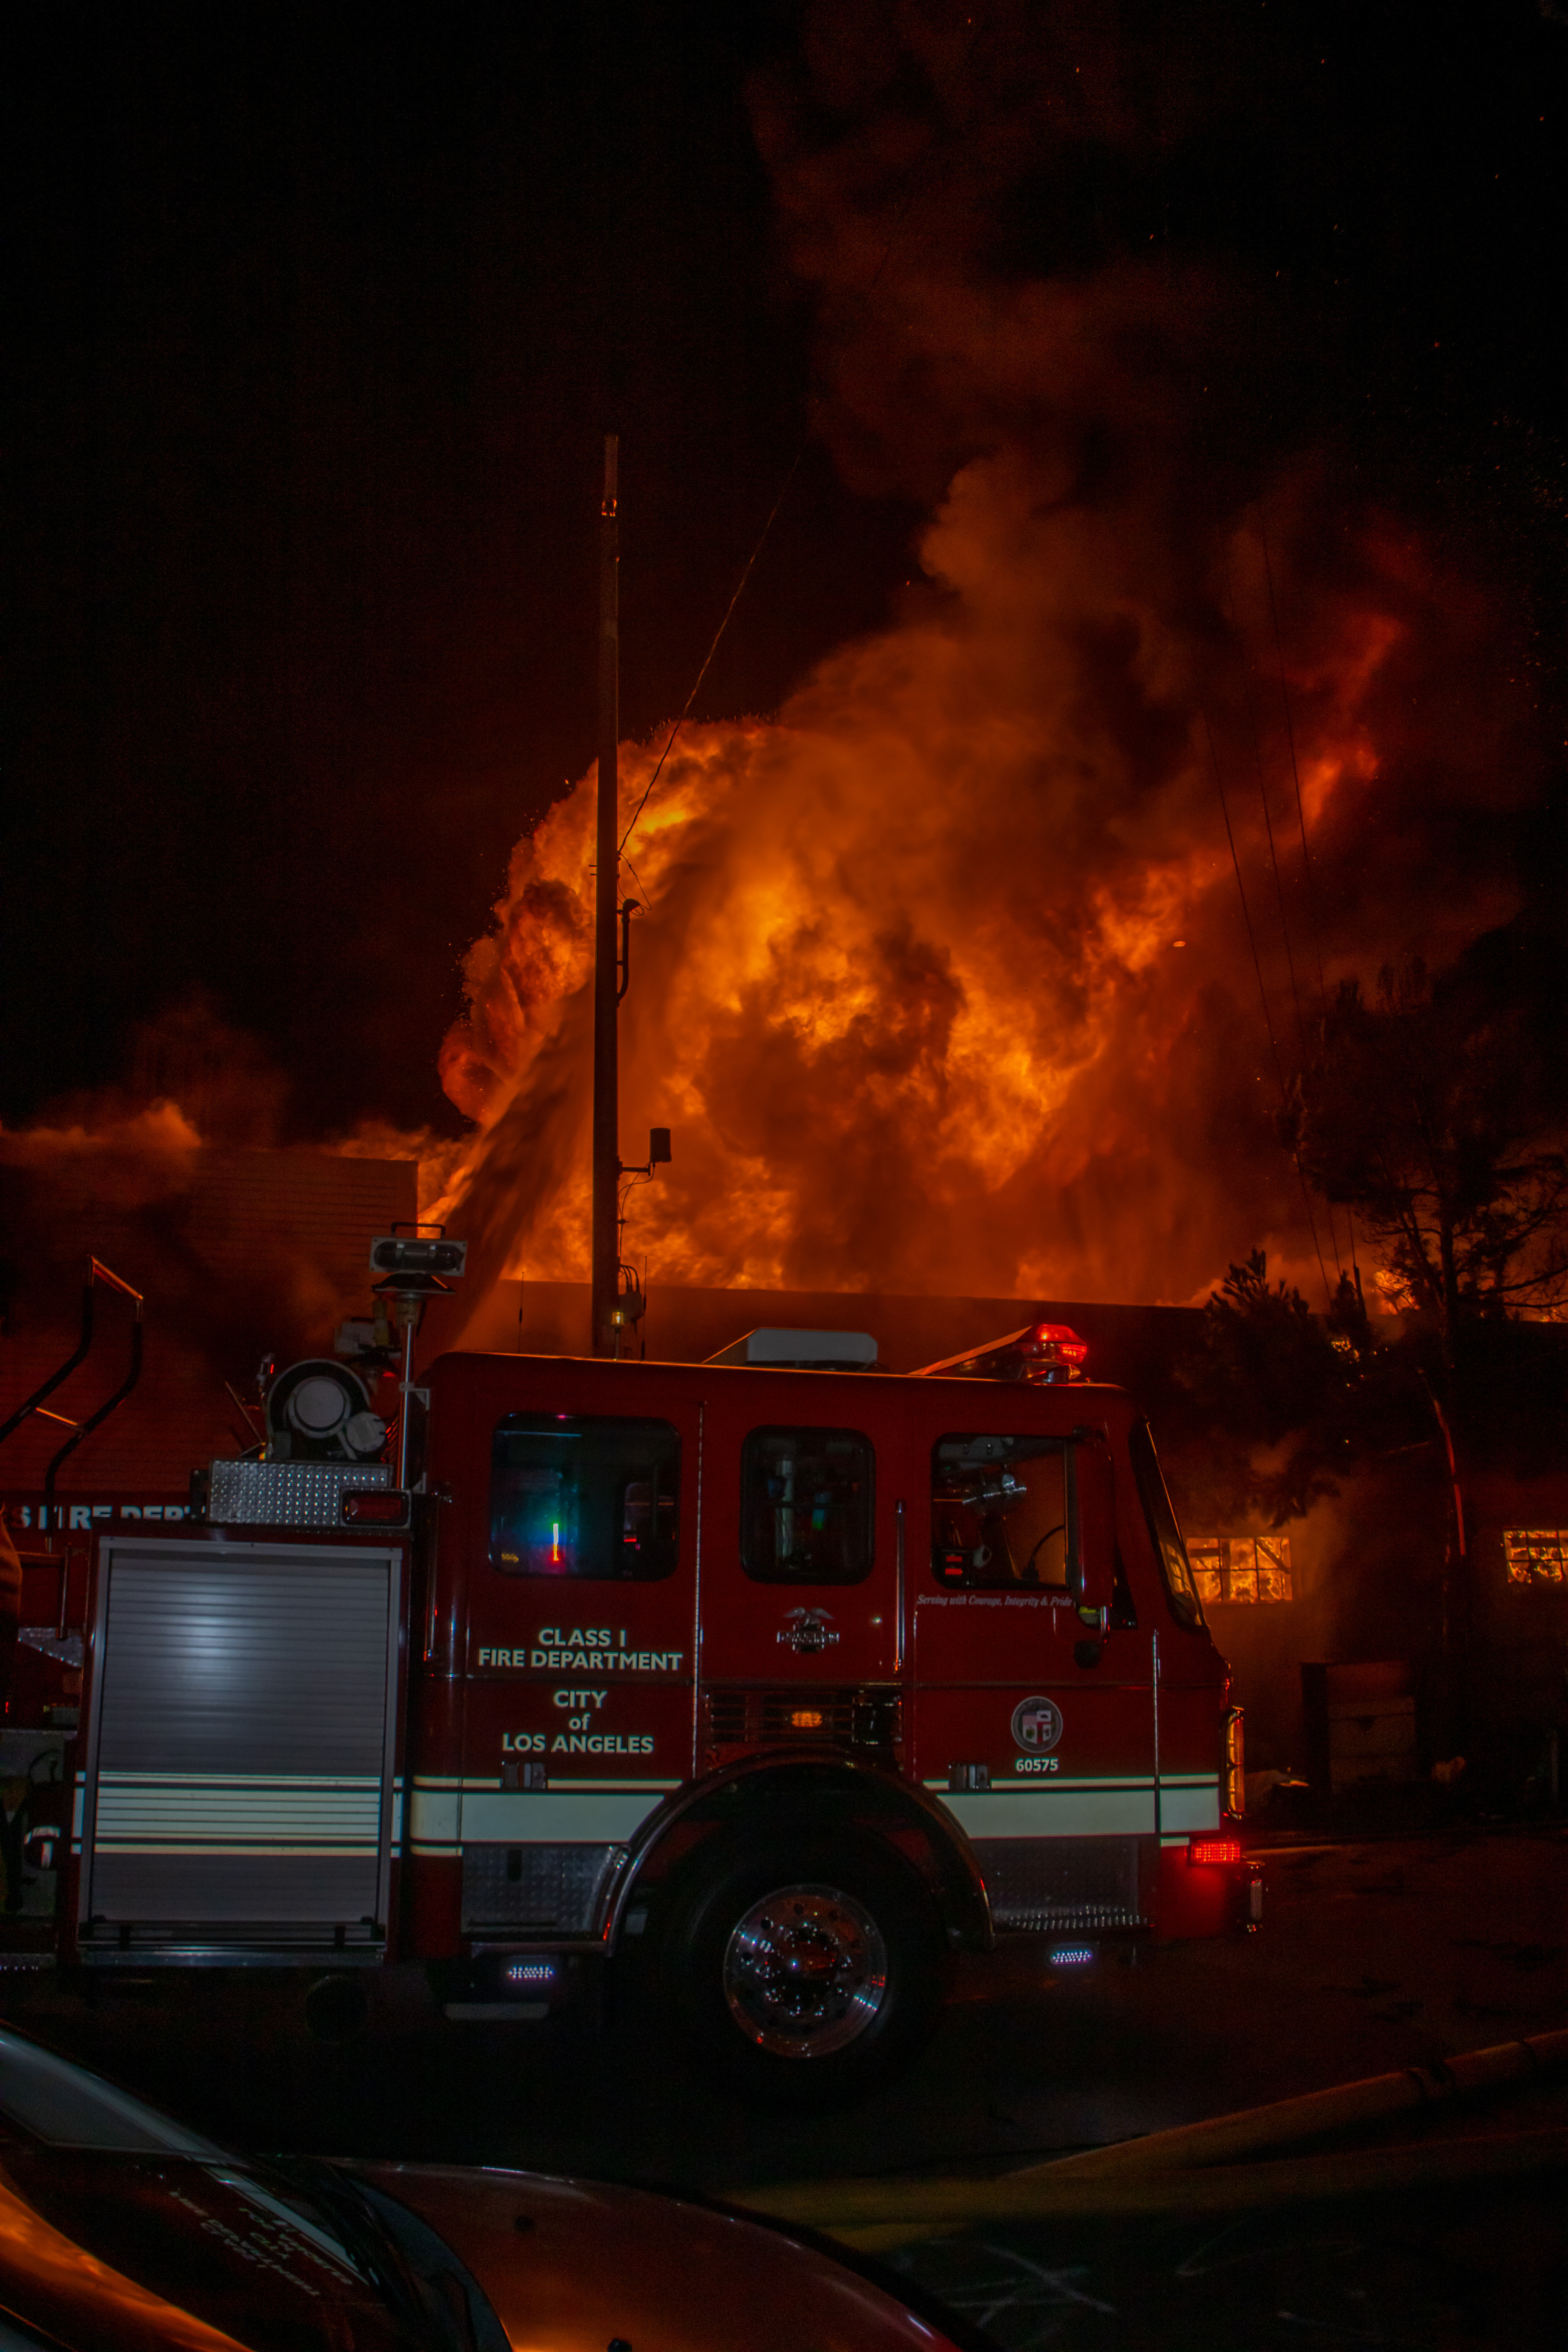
(1519, 1610)
(1366, 1584)
(253, 1251)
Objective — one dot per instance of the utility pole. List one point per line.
(606, 1247)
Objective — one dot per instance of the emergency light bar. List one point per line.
(1042, 1355)
(803, 1351)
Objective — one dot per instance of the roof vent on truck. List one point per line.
(803, 1351)
(1040, 1355)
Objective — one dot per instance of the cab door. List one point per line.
(800, 1568)
(580, 1588)
(1033, 1714)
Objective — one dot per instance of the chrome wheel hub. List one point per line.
(805, 1971)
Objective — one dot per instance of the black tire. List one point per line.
(802, 1969)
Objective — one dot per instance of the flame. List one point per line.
(907, 987)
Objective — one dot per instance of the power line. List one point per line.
(1313, 930)
(1204, 440)
(900, 217)
(1245, 910)
(1295, 770)
(740, 586)
(1274, 869)
(1263, 993)
(1268, 820)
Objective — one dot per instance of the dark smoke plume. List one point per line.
(946, 983)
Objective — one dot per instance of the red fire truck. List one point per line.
(765, 1684)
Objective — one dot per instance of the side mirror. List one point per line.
(1091, 1578)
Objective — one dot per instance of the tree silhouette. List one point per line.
(1281, 1394)
(1431, 1117)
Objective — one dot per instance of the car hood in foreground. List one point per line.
(577, 2265)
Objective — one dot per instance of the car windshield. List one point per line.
(61, 2103)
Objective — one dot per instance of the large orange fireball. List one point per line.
(944, 982)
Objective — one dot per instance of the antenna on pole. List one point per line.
(607, 1148)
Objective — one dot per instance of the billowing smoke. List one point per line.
(174, 1178)
(945, 981)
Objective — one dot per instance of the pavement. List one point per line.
(1375, 1954)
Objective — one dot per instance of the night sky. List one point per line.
(325, 312)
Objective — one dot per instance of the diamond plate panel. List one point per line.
(1073, 1884)
(287, 1493)
(535, 1886)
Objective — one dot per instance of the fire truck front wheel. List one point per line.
(804, 1971)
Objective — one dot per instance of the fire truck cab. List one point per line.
(766, 1683)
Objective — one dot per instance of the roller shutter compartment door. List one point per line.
(239, 1753)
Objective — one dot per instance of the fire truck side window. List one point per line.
(999, 1512)
(806, 1505)
(584, 1495)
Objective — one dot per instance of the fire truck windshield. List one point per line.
(999, 1511)
(1180, 1586)
(584, 1495)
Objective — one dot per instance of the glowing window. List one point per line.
(806, 1505)
(1241, 1568)
(1536, 1556)
(584, 1495)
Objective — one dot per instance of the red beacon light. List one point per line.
(1042, 1355)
